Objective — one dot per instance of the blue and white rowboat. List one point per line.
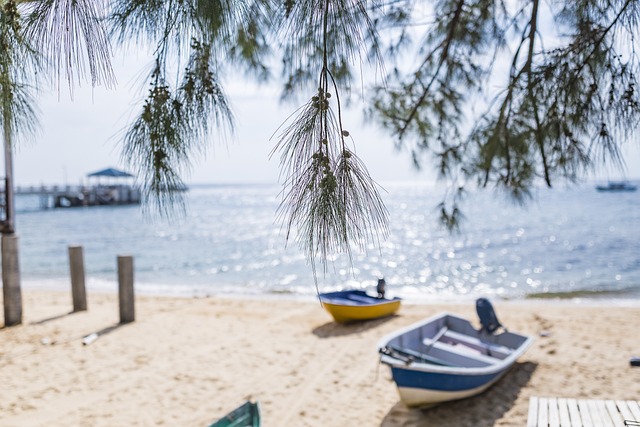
(445, 358)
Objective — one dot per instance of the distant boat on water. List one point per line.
(617, 186)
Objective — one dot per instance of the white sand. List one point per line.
(187, 362)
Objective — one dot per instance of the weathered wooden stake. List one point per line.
(12, 296)
(125, 289)
(76, 268)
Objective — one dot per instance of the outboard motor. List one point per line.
(380, 288)
(488, 319)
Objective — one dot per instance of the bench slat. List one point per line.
(635, 409)
(563, 409)
(532, 419)
(614, 413)
(576, 421)
(554, 417)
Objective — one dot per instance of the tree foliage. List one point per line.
(176, 121)
(499, 93)
(70, 38)
(18, 62)
(565, 100)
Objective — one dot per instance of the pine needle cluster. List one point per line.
(18, 63)
(329, 197)
(330, 200)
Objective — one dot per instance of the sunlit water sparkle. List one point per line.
(565, 243)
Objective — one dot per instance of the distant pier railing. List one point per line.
(69, 196)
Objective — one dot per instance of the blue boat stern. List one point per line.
(419, 388)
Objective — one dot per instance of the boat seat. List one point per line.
(408, 356)
(361, 299)
(494, 350)
(442, 354)
(464, 355)
(351, 300)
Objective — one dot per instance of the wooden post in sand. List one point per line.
(125, 289)
(76, 269)
(12, 296)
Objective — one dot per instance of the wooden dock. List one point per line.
(69, 196)
(567, 412)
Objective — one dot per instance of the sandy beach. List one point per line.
(188, 361)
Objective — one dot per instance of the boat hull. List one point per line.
(617, 186)
(246, 415)
(353, 306)
(428, 388)
(444, 358)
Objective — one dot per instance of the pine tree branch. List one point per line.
(446, 45)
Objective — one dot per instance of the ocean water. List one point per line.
(565, 243)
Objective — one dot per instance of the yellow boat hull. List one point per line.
(357, 307)
(344, 314)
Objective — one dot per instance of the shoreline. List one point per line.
(189, 360)
(111, 287)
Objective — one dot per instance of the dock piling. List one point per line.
(76, 269)
(12, 295)
(125, 289)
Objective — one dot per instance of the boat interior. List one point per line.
(452, 342)
(353, 298)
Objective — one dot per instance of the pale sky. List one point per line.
(81, 136)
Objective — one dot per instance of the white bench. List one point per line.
(567, 412)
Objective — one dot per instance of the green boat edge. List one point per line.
(246, 415)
